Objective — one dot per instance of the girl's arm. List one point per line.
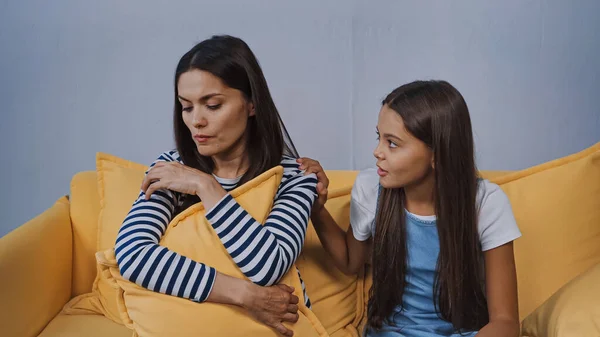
(501, 287)
(348, 253)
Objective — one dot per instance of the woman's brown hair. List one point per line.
(230, 59)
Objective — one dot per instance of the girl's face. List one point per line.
(215, 114)
(402, 159)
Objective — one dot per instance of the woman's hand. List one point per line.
(272, 306)
(313, 166)
(173, 176)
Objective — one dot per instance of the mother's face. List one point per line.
(215, 114)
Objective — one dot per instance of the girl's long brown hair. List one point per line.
(435, 113)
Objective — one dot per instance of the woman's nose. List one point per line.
(199, 120)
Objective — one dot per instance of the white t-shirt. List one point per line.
(496, 224)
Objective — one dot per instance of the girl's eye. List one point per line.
(213, 107)
(187, 109)
(392, 144)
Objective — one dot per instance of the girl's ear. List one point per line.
(433, 161)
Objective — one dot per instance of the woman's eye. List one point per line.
(187, 109)
(213, 107)
(392, 144)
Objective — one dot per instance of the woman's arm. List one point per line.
(143, 261)
(348, 253)
(264, 253)
(140, 257)
(269, 305)
(501, 287)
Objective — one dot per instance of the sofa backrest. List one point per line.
(85, 206)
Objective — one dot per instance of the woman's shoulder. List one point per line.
(169, 156)
(290, 164)
(294, 176)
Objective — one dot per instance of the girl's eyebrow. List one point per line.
(389, 135)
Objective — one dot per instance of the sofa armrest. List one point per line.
(35, 269)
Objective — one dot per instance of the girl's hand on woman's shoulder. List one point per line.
(312, 166)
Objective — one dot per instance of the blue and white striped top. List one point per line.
(264, 253)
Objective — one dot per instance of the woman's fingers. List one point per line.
(294, 299)
(286, 288)
(292, 308)
(155, 186)
(153, 175)
(289, 317)
(283, 330)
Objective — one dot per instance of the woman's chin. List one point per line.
(207, 151)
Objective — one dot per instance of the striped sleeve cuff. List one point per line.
(204, 291)
(220, 205)
(219, 210)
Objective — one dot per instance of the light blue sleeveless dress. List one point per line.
(419, 318)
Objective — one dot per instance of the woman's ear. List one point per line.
(251, 110)
(433, 161)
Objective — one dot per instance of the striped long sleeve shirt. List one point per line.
(264, 253)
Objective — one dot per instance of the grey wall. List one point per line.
(77, 77)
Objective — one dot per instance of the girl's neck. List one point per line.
(420, 197)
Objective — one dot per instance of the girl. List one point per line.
(227, 131)
(439, 238)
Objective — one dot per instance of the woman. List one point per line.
(227, 131)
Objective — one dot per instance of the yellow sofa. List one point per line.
(50, 259)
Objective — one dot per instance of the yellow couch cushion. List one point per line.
(557, 208)
(85, 206)
(336, 298)
(35, 271)
(493, 174)
(190, 234)
(118, 184)
(84, 325)
(573, 311)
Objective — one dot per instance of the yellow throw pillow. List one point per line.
(573, 311)
(150, 313)
(336, 298)
(557, 208)
(119, 183)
